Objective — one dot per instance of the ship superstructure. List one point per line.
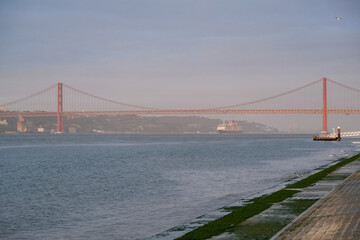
(229, 127)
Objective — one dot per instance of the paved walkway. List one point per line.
(337, 216)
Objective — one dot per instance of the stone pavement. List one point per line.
(337, 216)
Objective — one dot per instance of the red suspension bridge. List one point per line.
(71, 102)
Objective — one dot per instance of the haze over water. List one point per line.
(136, 186)
(182, 54)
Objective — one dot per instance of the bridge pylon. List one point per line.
(324, 111)
(60, 121)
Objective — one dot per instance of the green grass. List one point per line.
(267, 227)
(297, 206)
(257, 205)
(322, 174)
(258, 231)
(228, 222)
(276, 196)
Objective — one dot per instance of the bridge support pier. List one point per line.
(60, 126)
(324, 111)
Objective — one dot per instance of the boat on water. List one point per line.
(324, 136)
(327, 138)
(58, 132)
(229, 127)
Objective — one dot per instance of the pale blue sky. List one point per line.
(177, 53)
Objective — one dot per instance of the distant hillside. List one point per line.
(134, 124)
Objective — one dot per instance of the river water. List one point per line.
(136, 186)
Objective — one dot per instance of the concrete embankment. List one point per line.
(337, 216)
(295, 208)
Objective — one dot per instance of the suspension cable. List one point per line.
(343, 85)
(104, 99)
(272, 97)
(30, 96)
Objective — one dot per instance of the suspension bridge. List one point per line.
(61, 100)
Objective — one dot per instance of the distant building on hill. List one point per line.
(21, 127)
(3, 122)
(294, 128)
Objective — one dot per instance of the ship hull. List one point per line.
(327, 138)
(225, 131)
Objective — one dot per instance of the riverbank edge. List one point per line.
(257, 205)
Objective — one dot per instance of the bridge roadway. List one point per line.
(179, 112)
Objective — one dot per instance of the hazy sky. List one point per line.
(177, 53)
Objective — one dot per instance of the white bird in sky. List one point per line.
(338, 18)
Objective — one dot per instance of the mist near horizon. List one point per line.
(183, 54)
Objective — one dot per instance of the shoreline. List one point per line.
(238, 214)
(335, 216)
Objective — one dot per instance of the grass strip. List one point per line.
(269, 225)
(298, 206)
(257, 205)
(228, 222)
(322, 174)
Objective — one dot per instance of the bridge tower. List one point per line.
(324, 111)
(60, 126)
